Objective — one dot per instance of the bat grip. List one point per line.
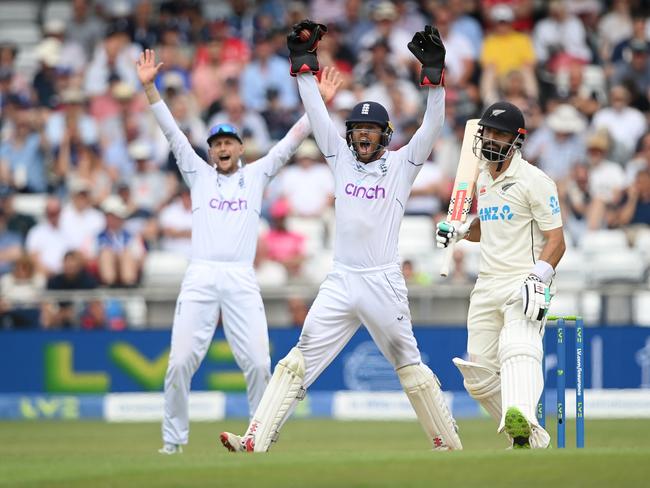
(446, 260)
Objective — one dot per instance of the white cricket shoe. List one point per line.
(235, 443)
(170, 449)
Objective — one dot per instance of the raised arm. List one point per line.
(428, 48)
(187, 160)
(302, 43)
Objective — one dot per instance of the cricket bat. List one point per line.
(464, 185)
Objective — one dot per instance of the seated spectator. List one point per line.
(176, 224)
(22, 158)
(80, 222)
(560, 38)
(74, 276)
(10, 245)
(149, 187)
(559, 145)
(72, 125)
(46, 243)
(20, 291)
(120, 254)
(635, 74)
(505, 50)
(297, 310)
(576, 201)
(91, 169)
(640, 161)
(280, 244)
(16, 222)
(307, 185)
(625, 124)
(636, 208)
(412, 276)
(248, 123)
(606, 178)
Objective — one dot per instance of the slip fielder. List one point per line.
(366, 285)
(519, 228)
(226, 203)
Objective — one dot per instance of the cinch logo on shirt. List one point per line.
(495, 213)
(555, 205)
(228, 205)
(372, 193)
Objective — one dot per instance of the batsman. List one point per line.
(366, 285)
(519, 228)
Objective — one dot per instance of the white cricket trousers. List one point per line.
(376, 297)
(207, 289)
(494, 304)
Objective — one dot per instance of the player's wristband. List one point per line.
(543, 271)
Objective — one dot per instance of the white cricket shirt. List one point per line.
(514, 209)
(226, 208)
(370, 198)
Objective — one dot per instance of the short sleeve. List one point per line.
(545, 204)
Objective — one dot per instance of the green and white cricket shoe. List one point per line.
(518, 428)
(170, 449)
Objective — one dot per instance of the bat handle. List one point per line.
(446, 260)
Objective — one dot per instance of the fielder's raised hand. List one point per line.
(448, 233)
(329, 83)
(428, 48)
(302, 43)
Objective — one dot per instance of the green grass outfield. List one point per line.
(316, 453)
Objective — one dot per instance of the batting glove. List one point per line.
(448, 233)
(536, 296)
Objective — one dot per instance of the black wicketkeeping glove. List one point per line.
(428, 48)
(302, 54)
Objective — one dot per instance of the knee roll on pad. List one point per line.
(285, 387)
(520, 338)
(423, 391)
(483, 384)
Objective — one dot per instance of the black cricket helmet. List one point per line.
(505, 117)
(369, 113)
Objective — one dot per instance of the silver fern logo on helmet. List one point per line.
(496, 113)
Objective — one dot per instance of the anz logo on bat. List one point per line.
(487, 214)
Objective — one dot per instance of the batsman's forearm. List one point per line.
(153, 95)
(474, 234)
(554, 248)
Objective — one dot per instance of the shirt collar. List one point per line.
(512, 168)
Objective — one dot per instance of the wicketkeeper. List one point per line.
(519, 228)
(366, 285)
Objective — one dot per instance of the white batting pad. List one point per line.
(423, 390)
(522, 380)
(285, 387)
(483, 384)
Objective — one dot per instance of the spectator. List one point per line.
(505, 50)
(46, 242)
(412, 276)
(353, 24)
(266, 70)
(22, 158)
(10, 245)
(559, 145)
(17, 222)
(576, 203)
(606, 179)
(615, 26)
(48, 53)
(634, 73)
(460, 57)
(625, 124)
(560, 38)
(385, 15)
(278, 118)
(120, 254)
(149, 188)
(280, 244)
(639, 23)
(176, 224)
(114, 55)
(466, 25)
(72, 125)
(308, 185)
(80, 222)
(641, 160)
(636, 208)
(297, 310)
(145, 31)
(84, 27)
(73, 55)
(399, 96)
(73, 274)
(20, 291)
(90, 169)
(208, 77)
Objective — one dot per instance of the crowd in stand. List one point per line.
(76, 126)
